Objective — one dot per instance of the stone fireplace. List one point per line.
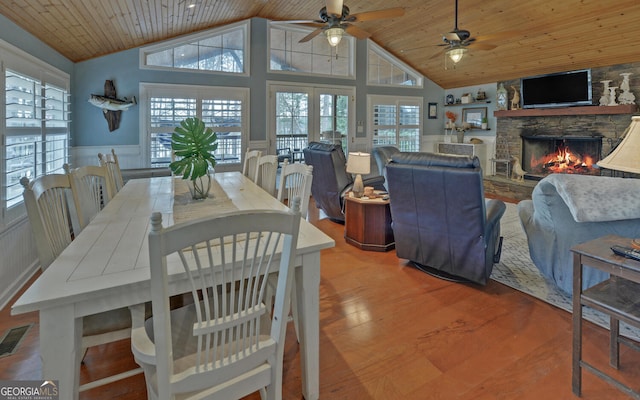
(590, 132)
(543, 155)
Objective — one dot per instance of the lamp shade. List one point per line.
(359, 163)
(626, 156)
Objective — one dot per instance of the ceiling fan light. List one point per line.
(456, 54)
(334, 36)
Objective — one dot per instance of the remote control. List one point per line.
(626, 252)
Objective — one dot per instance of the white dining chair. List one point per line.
(91, 188)
(48, 203)
(267, 173)
(295, 181)
(219, 347)
(113, 167)
(250, 163)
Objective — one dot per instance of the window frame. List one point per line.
(200, 93)
(346, 39)
(398, 102)
(27, 66)
(384, 54)
(245, 26)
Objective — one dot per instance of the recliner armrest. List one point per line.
(495, 210)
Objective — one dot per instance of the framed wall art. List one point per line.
(432, 111)
(474, 116)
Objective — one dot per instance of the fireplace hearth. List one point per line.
(545, 155)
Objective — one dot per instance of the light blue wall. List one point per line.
(12, 34)
(90, 129)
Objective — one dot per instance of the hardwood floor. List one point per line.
(389, 331)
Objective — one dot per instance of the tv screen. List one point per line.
(563, 89)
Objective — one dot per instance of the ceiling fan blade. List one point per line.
(334, 7)
(380, 14)
(482, 46)
(298, 21)
(357, 32)
(452, 36)
(311, 35)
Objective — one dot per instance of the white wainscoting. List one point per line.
(19, 260)
(128, 156)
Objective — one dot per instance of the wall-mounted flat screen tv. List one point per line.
(562, 89)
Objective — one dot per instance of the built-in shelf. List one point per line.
(468, 104)
(588, 110)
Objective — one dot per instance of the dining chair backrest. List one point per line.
(47, 200)
(91, 187)
(218, 344)
(250, 163)
(50, 211)
(113, 167)
(267, 173)
(295, 181)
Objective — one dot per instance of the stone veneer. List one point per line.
(610, 127)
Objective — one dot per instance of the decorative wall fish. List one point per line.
(112, 104)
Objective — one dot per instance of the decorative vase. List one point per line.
(604, 99)
(626, 97)
(199, 187)
(460, 135)
(503, 97)
(612, 96)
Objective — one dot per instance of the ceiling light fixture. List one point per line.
(456, 54)
(334, 35)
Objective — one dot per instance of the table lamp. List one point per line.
(358, 163)
(626, 156)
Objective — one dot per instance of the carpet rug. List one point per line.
(517, 271)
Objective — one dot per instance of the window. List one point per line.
(385, 69)
(396, 121)
(225, 110)
(218, 50)
(36, 129)
(315, 57)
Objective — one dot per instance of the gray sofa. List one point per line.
(569, 209)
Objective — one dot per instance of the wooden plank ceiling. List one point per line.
(531, 37)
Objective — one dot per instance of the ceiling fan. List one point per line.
(335, 20)
(457, 41)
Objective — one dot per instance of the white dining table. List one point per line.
(107, 267)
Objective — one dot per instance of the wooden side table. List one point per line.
(618, 297)
(368, 224)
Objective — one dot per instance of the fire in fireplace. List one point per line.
(544, 155)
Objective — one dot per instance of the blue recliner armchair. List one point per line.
(331, 181)
(441, 220)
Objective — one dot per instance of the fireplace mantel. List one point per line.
(588, 110)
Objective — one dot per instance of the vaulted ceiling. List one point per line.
(530, 37)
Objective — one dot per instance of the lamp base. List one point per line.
(358, 186)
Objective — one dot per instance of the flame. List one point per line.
(562, 161)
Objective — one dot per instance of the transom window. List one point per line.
(385, 69)
(316, 57)
(219, 50)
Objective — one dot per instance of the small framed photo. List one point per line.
(474, 116)
(433, 110)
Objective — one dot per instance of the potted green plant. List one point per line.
(484, 123)
(194, 145)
